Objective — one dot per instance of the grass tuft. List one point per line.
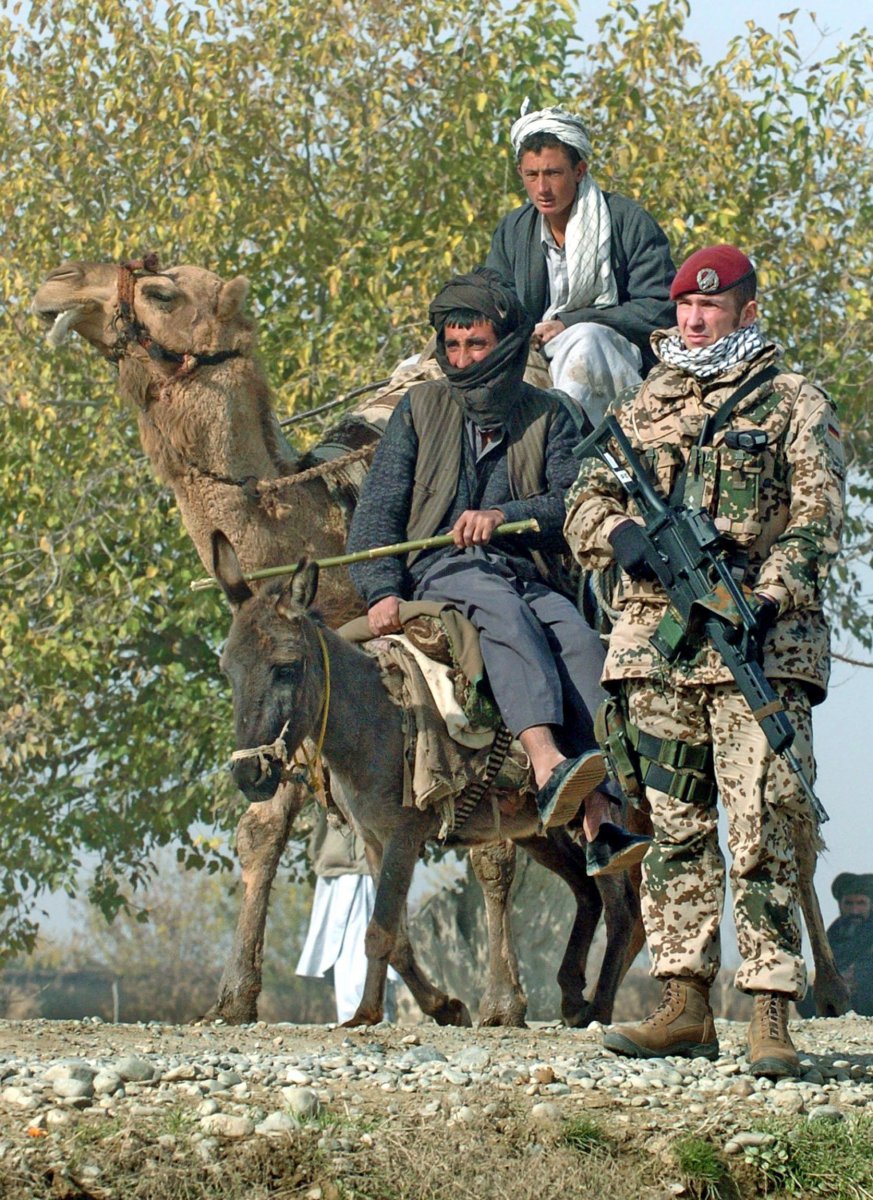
(583, 1135)
(818, 1158)
(703, 1171)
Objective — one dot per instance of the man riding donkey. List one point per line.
(592, 268)
(462, 455)
(733, 437)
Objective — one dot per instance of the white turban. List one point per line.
(563, 125)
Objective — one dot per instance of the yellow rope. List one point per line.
(327, 467)
(313, 765)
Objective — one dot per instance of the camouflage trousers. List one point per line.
(683, 888)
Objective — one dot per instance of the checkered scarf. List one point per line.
(703, 362)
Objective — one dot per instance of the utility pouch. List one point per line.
(699, 480)
(681, 770)
(614, 739)
(670, 636)
(739, 494)
(637, 760)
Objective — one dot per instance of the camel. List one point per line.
(185, 354)
(293, 679)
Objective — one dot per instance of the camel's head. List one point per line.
(185, 310)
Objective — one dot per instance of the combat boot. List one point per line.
(771, 1053)
(682, 1024)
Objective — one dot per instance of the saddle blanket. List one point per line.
(438, 698)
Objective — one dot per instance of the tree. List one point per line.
(347, 158)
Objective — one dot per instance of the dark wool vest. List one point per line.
(439, 424)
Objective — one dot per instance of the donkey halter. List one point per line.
(277, 751)
(131, 331)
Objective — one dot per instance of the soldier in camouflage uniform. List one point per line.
(778, 501)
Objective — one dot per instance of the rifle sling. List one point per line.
(714, 424)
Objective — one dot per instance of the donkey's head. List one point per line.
(273, 660)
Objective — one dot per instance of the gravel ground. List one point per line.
(262, 1080)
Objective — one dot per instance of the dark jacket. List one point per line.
(851, 940)
(641, 264)
(395, 489)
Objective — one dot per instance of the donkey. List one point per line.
(294, 678)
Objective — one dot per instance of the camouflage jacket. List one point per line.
(780, 511)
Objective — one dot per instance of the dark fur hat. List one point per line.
(848, 884)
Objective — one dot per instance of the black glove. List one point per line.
(633, 551)
(766, 611)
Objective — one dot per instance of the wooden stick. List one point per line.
(531, 525)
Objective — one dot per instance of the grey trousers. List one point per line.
(543, 660)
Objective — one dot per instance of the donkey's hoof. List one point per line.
(576, 1017)
(575, 1009)
(582, 1015)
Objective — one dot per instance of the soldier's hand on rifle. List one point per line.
(384, 616)
(766, 611)
(633, 551)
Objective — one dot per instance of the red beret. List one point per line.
(712, 270)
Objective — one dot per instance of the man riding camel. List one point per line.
(463, 455)
(592, 268)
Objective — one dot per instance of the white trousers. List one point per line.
(341, 910)
(592, 364)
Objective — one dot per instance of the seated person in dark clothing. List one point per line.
(851, 937)
(592, 268)
(462, 456)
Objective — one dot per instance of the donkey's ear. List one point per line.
(228, 572)
(304, 582)
(300, 589)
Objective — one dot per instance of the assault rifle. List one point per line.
(705, 599)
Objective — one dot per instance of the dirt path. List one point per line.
(90, 1110)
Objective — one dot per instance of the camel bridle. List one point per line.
(130, 330)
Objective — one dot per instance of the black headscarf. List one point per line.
(486, 391)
